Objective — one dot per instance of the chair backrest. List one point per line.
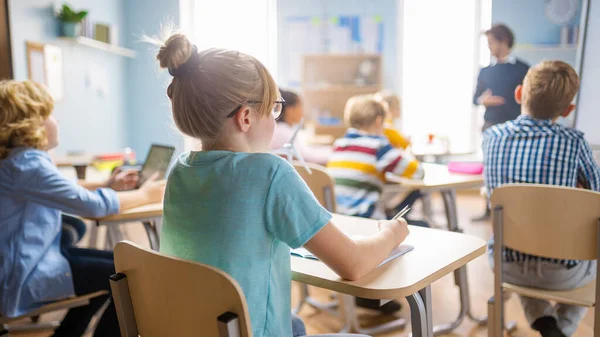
(174, 297)
(320, 183)
(551, 221)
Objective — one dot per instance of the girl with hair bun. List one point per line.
(237, 207)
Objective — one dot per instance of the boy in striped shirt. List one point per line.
(363, 156)
(359, 163)
(534, 149)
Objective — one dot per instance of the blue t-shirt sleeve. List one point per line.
(293, 214)
(41, 182)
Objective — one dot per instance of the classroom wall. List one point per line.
(387, 9)
(149, 112)
(85, 116)
(528, 20)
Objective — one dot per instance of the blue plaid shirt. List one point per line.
(529, 150)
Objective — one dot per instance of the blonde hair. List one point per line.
(208, 85)
(549, 88)
(390, 98)
(362, 111)
(24, 106)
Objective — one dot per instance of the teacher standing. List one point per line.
(497, 82)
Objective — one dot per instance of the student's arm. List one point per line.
(588, 173)
(396, 139)
(119, 181)
(353, 259)
(398, 162)
(151, 191)
(479, 89)
(295, 217)
(312, 154)
(44, 184)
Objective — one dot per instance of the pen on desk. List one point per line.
(401, 213)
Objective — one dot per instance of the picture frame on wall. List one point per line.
(44, 65)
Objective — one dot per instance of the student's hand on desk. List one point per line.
(488, 100)
(154, 189)
(123, 180)
(398, 227)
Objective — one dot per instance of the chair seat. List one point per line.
(54, 306)
(583, 296)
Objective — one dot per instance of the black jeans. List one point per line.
(90, 269)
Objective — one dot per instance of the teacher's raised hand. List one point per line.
(489, 100)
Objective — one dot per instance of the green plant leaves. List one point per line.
(69, 15)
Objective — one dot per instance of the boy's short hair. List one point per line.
(549, 88)
(391, 98)
(362, 111)
(502, 33)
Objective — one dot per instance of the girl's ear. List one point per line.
(243, 119)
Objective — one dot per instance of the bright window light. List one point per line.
(246, 26)
(441, 56)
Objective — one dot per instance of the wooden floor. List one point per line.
(445, 293)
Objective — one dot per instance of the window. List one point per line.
(441, 56)
(246, 26)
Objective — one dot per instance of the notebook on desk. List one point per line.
(397, 252)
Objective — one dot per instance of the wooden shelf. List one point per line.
(342, 88)
(327, 57)
(547, 47)
(91, 43)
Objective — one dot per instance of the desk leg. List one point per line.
(352, 324)
(151, 231)
(421, 313)
(460, 275)
(330, 307)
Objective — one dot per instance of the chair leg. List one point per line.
(491, 325)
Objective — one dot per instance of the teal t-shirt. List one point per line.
(241, 213)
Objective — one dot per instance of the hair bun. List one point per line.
(176, 51)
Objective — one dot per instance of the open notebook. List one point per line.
(397, 252)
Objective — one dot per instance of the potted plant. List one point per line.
(70, 21)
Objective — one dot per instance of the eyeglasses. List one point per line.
(277, 108)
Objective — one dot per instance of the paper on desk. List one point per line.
(397, 252)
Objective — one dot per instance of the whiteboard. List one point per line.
(587, 118)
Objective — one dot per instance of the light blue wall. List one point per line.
(327, 8)
(149, 112)
(527, 19)
(88, 121)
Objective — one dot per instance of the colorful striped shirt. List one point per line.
(358, 164)
(535, 151)
(395, 138)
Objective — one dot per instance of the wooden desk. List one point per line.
(438, 179)
(436, 254)
(78, 162)
(148, 215)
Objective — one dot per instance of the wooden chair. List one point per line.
(159, 296)
(320, 183)
(55, 306)
(569, 219)
(322, 186)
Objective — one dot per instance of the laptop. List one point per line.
(157, 161)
